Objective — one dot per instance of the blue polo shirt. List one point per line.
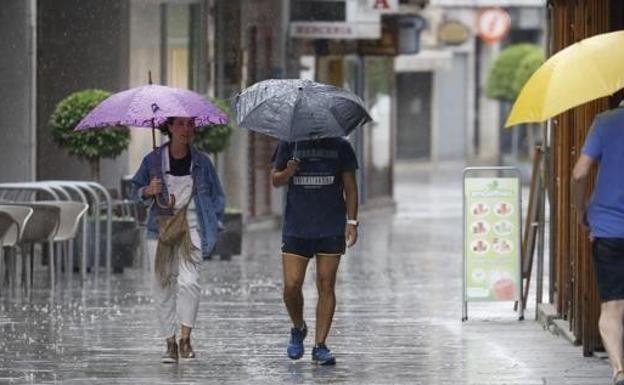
(605, 145)
(315, 204)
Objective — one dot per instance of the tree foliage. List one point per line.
(90, 145)
(510, 71)
(527, 68)
(214, 139)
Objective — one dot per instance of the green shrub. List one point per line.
(527, 67)
(90, 145)
(501, 82)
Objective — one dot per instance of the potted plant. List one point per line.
(214, 139)
(125, 242)
(126, 239)
(93, 145)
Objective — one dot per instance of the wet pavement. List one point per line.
(397, 320)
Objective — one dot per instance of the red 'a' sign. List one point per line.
(381, 4)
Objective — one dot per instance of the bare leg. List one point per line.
(294, 268)
(326, 270)
(185, 332)
(612, 332)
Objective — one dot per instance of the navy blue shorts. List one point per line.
(608, 256)
(310, 247)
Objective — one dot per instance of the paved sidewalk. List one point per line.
(397, 321)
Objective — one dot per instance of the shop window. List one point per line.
(180, 48)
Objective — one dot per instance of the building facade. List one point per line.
(573, 288)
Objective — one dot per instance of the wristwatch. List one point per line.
(353, 222)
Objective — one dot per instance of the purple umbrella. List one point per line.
(149, 106)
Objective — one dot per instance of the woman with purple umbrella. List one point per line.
(184, 195)
(185, 228)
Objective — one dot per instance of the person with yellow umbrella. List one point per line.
(582, 72)
(604, 216)
(587, 70)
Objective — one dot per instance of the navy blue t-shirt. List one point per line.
(315, 205)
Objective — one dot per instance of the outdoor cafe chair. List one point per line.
(41, 228)
(139, 212)
(13, 220)
(70, 215)
(6, 224)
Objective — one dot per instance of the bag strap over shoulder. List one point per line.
(193, 191)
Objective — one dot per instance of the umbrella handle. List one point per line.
(168, 205)
(294, 156)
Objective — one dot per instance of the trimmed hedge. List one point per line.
(510, 71)
(90, 145)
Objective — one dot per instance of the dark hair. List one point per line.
(164, 126)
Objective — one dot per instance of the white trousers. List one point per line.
(178, 302)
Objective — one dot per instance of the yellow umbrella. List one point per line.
(587, 70)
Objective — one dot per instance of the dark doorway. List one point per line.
(414, 115)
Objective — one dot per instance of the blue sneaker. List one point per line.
(322, 355)
(295, 345)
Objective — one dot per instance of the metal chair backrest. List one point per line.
(43, 224)
(70, 215)
(20, 215)
(6, 222)
(126, 187)
(137, 210)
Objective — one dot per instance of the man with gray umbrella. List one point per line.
(318, 165)
(320, 219)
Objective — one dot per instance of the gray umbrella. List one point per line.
(293, 110)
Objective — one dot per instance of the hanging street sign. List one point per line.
(493, 24)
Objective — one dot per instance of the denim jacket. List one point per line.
(209, 198)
